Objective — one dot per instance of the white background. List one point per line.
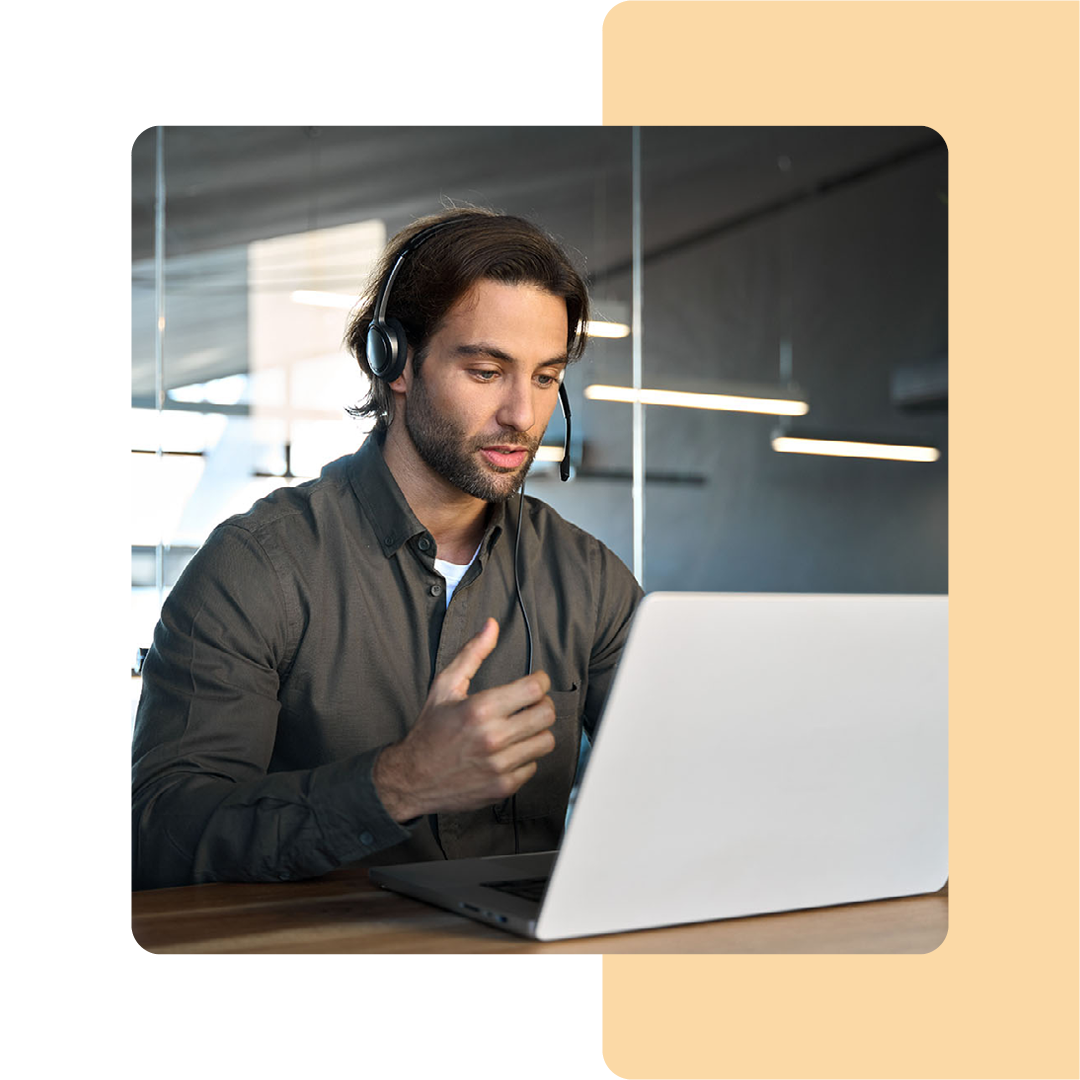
(79, 84)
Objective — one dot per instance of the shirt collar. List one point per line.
(386, 507)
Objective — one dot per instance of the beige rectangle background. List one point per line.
(999, 82)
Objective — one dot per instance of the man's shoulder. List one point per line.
(314, 498)
(546, 521)
(552, 528)
(586, 568)
(303, 509)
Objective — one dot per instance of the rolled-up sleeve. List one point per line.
(204, 807)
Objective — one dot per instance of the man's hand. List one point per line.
(467, 752)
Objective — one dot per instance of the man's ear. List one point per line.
(400, 384)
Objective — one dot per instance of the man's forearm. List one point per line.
(190, 829)
(392, 787)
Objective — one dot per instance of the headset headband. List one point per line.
(383, 298)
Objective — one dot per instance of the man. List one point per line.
(345, 673)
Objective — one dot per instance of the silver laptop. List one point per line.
(758, 753)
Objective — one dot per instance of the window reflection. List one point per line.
(224, 441)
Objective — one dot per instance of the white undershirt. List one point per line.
(453, 572)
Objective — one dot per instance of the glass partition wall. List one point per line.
(786, 289)
(250, 245)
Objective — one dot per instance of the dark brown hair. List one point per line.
(480, 244)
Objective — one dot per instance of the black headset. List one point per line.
(387, 347)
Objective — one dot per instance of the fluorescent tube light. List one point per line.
(601, 328)
(322, 299)
(611, 319)
(788, 444)
(549, 453)
(686, 400)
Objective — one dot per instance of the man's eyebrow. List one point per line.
(483, 348)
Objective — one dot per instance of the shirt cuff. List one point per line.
(352, 816)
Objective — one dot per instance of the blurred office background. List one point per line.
(792, 270)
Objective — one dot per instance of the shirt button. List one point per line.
(366, 838)
(388, 541)
(435, 590)
(424, 543)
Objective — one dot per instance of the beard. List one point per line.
(446, 449)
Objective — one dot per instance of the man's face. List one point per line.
(488, 383)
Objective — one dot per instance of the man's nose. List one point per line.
(516, 410)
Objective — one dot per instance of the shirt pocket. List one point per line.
(548, 791)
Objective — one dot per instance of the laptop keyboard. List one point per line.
(526, 888)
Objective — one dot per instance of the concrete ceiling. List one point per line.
(226, 187)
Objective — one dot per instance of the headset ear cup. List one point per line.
(399, 349)
(387, 349)
(377, 350)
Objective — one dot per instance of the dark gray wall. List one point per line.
(864, 270)
(855, 278)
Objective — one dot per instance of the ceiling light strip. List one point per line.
(686, 400)
(600, 328)
(787, 444)
(317, 298)
(549, 453)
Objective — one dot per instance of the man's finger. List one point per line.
(521, 753)
(522, 775)
(512, 697)
(453, 681)
(529, 722)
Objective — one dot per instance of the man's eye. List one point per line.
(547, 380)
(485, 374)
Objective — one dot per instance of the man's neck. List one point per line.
(455, 520)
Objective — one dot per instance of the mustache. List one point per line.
(507, 438)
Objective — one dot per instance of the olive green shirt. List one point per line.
(303, 637)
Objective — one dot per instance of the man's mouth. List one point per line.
(505, 457)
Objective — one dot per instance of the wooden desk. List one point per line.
(343, 913)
